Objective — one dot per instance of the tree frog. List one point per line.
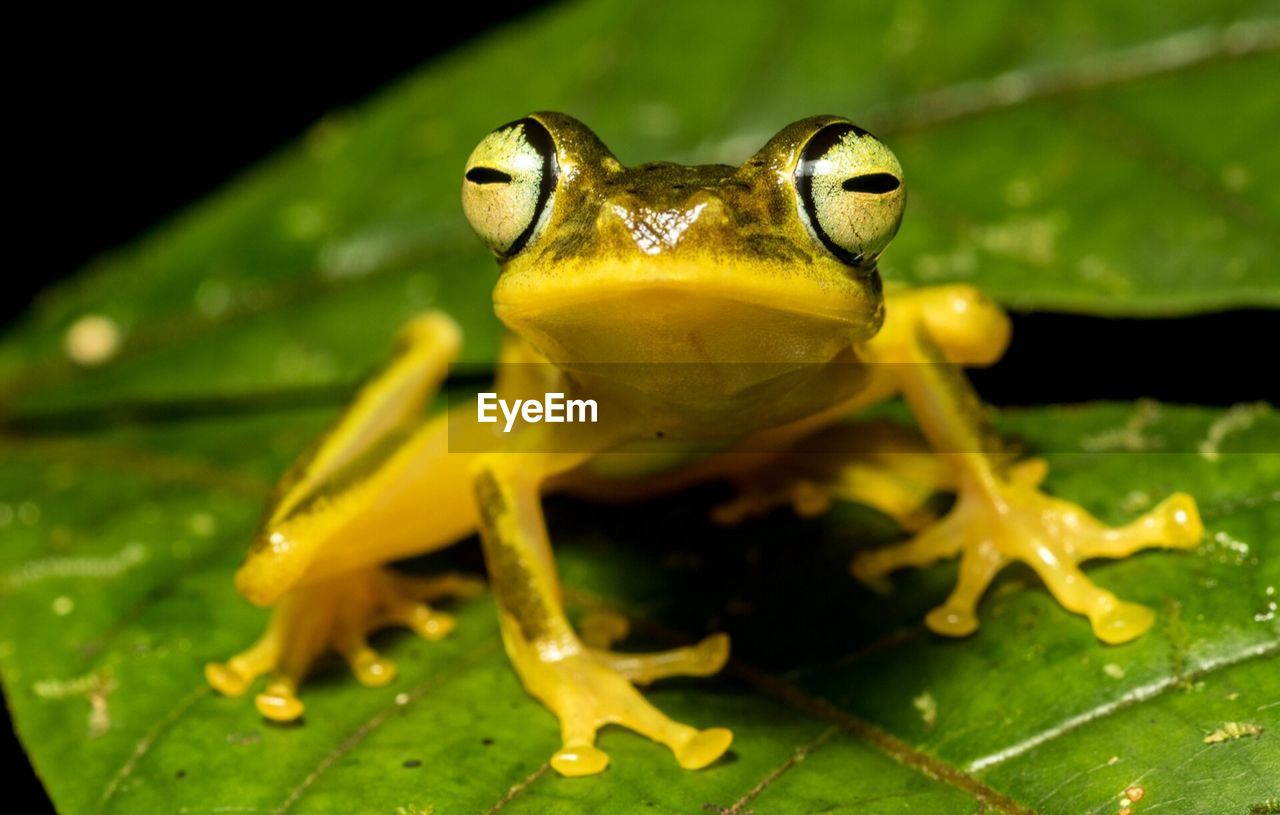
(727, 321)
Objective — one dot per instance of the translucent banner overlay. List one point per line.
(841, 408)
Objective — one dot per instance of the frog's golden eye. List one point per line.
(509, 185)
(850, 192)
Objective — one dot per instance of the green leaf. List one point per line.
(117, 588)
(1071, 161)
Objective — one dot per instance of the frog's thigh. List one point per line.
(880, 464)
(877, 463)
(1000, 515)
(586, 688)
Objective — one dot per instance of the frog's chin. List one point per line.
(658, 324)
(710, 360)
(638, 312)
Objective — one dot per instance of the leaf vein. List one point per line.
(801, 753)
(1169, 54)
(886, 743)
(1135, 696)
(362, 732)
(149, 740)
(517, 788)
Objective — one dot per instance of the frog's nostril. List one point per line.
(874, 183)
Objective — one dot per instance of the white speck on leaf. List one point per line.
(100, 568)
(928, 707)
(92, 340)
(95, 687)
(1235, 419)
(1132, 437)
(1230, 731)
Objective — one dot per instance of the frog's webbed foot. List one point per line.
(337, 614)
(590, 687)
(1011, 519)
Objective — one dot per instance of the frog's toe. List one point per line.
(1175, 524)
(279, 702)
(703, 659)
(1117, 621)
(421, 618)
(958, 617)
(938, 542)
(227, 679)
(608, 698)
(404, 601)
(603, 628)
(232, 678)
(705, 747)
(575, 760)
(370, 668)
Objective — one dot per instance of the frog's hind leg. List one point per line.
(877, 463)
(1000, 515)
(337, 614)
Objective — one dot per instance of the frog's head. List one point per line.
(772, 261)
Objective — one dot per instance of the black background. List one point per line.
(117, 123)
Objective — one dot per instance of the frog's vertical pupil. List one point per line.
(539, 138)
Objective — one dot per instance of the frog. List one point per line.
(730, 324)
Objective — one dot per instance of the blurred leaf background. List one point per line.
(1094, 158)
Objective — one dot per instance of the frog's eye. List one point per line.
(509, 185)
(850, 192)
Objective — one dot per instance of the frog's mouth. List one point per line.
(670, 316)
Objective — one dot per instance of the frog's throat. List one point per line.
(675, 313)
(668, 325)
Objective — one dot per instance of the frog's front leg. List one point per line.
(998, 517)
(351, 502)
(585, 687)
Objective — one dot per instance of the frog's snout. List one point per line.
(657, 229)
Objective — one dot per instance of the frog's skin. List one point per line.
(761, 282)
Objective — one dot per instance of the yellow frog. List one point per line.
(723, 323)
